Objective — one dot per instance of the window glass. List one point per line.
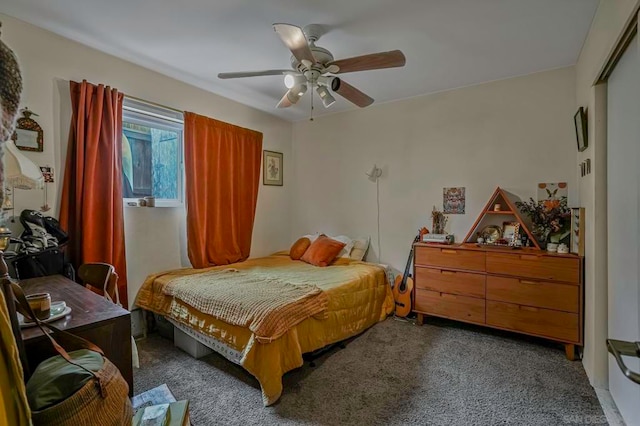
(151, 154)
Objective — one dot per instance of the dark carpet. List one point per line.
(443, 373)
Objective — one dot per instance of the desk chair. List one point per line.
(101, 278)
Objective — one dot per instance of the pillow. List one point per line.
(346, 251)
(299, 247)
(322, 251)
(360, 247)
(311, 237)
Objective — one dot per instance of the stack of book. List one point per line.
(171, 414)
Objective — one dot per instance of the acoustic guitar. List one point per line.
(403, 287)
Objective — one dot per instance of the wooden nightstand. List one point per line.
(92, 317)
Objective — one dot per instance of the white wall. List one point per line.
(623, 195)
(607, 28)
(153, 236)
(512, 133)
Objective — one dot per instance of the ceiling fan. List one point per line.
(315, 66)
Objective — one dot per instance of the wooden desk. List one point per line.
(92, 317)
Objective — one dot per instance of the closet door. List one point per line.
(623, 192)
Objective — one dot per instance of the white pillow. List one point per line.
(360, 247)
(346, 251)
(311, 237)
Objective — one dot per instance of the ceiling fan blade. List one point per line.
(225, 75)
(293, 37)
(373, 61)
(350, 93)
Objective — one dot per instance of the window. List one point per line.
(152, 153)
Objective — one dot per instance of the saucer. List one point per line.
(52, 317)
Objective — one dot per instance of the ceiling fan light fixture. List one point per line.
(298, 90)
(325, 96)
(291, 80)
(292, 96)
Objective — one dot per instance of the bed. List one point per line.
(332, 304)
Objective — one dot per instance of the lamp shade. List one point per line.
(19, 171)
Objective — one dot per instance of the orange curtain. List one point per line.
(222, 167)
(91, 206)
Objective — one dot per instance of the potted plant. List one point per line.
(551, 219)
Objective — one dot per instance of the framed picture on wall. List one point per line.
(577, 230)
(28, 135)
(580, 122)
(272, 168)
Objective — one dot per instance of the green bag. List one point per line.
(55, 379)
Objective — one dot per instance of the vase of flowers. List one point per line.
(551, 219)
(439, 221)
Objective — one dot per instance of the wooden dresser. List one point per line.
(527, 291)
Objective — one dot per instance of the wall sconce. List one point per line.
(375, 173)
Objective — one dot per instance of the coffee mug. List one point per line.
(40, 304)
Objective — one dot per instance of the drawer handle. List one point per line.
(529, 282)
(448, 272)
(448, 251)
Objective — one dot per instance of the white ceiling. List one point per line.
(448, 43)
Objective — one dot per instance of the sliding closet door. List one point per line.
(623, 189)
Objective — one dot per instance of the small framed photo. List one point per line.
(511, 231)
(580, 122)
(47, 174)
(272, 168)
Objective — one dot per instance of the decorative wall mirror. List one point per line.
(28, 135)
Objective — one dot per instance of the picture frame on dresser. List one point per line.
(510, 231)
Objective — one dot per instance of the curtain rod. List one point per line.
(154, 104)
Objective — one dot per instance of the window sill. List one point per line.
(133, 203)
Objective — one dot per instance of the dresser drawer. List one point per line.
(450, 305)
(562, 297)
(542, 322)
(566, 269)
(470, 260)
(442, 280)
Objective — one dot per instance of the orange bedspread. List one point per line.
(359, 296)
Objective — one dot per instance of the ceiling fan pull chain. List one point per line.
(311, 117)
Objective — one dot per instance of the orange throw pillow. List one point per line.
(299, 248)
(322, 251)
